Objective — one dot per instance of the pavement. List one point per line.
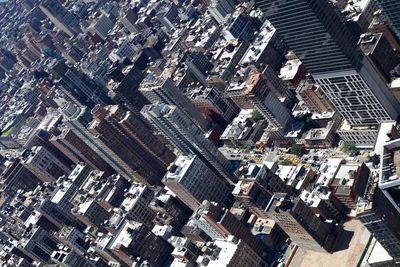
(348, 250)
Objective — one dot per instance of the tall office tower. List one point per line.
(44, 164)
(64, 197)
(39, 244)
(391, 10)
(220, 9)
(101, 26)
(316, 32)
(188, 137)
(18, 177)
(71, 145)
(136, 204)
(301, 224)
(381, 218)
(253, 196)
(63, 19)
(381, 215)
(313, 97)
(255, 92)
(219, 223)
(75, 83)
(276, 84)
(7, 60)
(91, 213)
(199, 65)
(131, 143)
(160, 90)
(134, 241)
(214, 105)
(58, 216)
(125, 89)
(256, 186)
(192, 181)
(380, 51)
(77, 119)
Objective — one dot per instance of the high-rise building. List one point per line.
(131, 143)
(18, 177)
(256, 186)
(253, 196)
(125, 89)
(69, 143)
(101, 26)
(313, 97)
(136, 241)
(77, 85)
(199, 65)
(136, 204)
(188, 137)
(193, 182)
(381, 214)
(159, 90)
(329, 51)
(380, 51)
(301, 224)
(219, 223)
(44, 164)
(255, 92)
(391, 10)
(63, 19)
(213, 104)
(40, 245)
(233, 252)
(220, 9)
(77, 119)
(91, 213)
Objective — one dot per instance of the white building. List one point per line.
(187, 137)
(137, 204)
(45, 165)
(192, 182)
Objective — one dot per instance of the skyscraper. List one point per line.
(256, 92)
(301, 224)
(192, 182)
(131, 143)
(219, 223)
(391, 10)
(160, 90)
(63, 19)
(76, 84)
(44, 164)
(77, 120)
(69, 143)
(188, 137)
(316, 32)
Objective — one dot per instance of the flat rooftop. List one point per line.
(348, 251)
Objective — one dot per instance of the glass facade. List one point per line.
(315, 31)
(391, 10)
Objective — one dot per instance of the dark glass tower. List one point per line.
(316, 32)
(391, 9)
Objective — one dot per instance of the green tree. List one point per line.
(349, 148)
(286, 162)
(297, 149)
(256, 115)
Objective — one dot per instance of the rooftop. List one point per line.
(180, 167)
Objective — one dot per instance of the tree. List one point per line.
(256, 115)
(297, 149)
(286, 162)
(349, 148)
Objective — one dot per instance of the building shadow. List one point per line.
(343, 240)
